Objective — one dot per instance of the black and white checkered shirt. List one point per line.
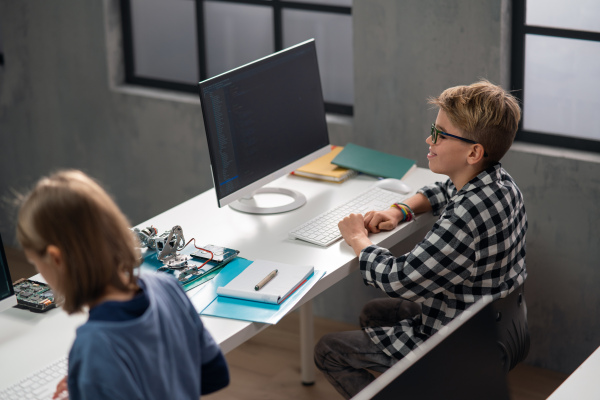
(476, 249)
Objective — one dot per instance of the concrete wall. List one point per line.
(57, 111)
(62, 105)
(406, 51)
(561, 191)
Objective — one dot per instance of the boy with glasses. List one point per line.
(476, 248)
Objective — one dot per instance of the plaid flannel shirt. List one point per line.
(475, 249)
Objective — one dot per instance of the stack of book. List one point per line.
(324, 170)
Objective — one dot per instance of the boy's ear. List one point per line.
(54, 255)
(476, 154)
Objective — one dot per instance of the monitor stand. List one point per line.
(251, 206)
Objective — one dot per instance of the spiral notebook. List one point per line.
(208, 302)
(285, 281)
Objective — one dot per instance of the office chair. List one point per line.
(511, 324)
(466, 347)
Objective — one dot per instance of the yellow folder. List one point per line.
(323, 169)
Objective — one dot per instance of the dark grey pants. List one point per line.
(345, 357)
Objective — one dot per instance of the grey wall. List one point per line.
(561, 195)
(57, 111)
(62, 105)
(406, 51)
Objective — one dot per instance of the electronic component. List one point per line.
(33, 295)
(189, 269)
(150, 238)
(147, 236)
(219, 253)
(166, 248)
(166, 245)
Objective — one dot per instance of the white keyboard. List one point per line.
(323, 229)
(39, 385)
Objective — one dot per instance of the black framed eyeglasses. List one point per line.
(436, 132)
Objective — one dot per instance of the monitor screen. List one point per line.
(263, 120)
(7, 292)
(462, 361)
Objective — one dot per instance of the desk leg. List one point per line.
(307, 334)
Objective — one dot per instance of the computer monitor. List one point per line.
(461, 361)
(7, 292)
(262, 121)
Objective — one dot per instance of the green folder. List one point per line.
(373, 162)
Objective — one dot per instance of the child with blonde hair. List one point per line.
(476, 249)
(143, 338)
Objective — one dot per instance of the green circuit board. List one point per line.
(35, 296)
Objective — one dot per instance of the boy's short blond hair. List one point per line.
(485, 113)
(72, 212)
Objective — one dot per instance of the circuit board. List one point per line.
(192, 273)
(34, 296)
(219, 254)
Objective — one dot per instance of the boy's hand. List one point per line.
(61, 390)
(354, 232)
(376, 221)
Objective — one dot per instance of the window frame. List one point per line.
(1, 55)
(277, 5)
(519, 32)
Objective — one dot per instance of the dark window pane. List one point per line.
(333, 36)
(236, 34)
(164, 40)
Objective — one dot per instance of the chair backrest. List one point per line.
(459, 362)
(513, 332)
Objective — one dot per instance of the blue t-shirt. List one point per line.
(152, 347)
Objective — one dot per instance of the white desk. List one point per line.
(30, 340)
(583, 383)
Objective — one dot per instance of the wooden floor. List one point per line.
(268, 365)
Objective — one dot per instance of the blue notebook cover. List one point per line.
(207, 302)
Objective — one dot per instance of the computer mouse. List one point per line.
(394, 185)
